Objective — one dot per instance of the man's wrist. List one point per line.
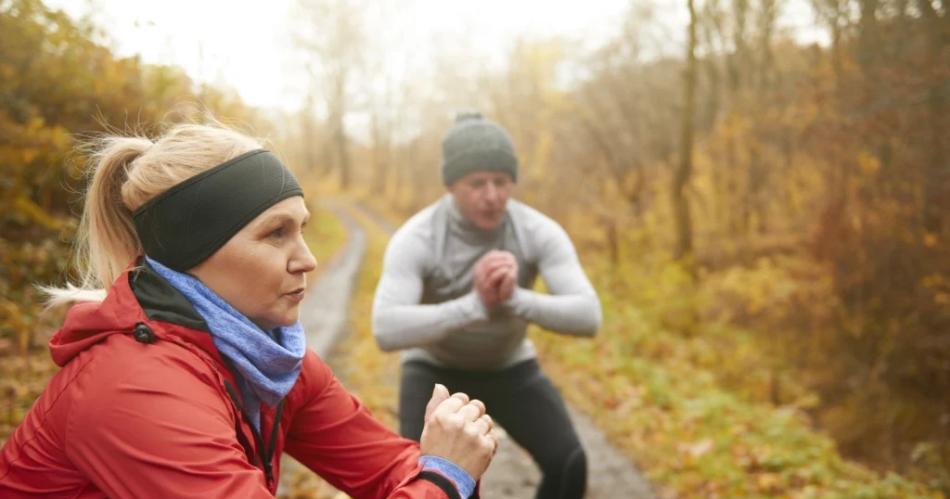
(516, 301)
(474, 308)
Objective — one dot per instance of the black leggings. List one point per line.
(523, 401)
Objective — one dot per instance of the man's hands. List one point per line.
(458, 429)
(495, 276)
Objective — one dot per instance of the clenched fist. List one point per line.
(458, 429)
(494, 277)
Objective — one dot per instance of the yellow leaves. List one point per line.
(28, 154)
(22, 378)
(764, 290)
(939, 286)
(695, 438)
(22, 321)
(325, 235)
(931, 240)
(768, 482)
(697, 449)
(35, 214)
(536, 159)
(935, 281)
(868, 164)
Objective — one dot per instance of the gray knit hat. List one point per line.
(476, 144)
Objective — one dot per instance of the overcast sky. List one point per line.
(246, 44)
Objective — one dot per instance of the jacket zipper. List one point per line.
(264, 454)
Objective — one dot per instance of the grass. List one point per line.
(657, 396)
(359, 363)
(325, 235)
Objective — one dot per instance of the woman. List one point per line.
(189, 377)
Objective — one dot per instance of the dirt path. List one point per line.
(512, 474)
(324, 309)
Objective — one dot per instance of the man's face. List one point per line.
(481, 196)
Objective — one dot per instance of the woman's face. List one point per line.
(262, 270)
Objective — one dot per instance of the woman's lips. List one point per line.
(296, 295)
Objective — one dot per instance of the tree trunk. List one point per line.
(684, 238)
(339, 129)
(380, 155)
(936, 179)
(310, 149)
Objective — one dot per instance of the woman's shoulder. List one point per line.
(121, 362)
(121, 384)
(121, 371)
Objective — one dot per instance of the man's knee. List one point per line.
(566, 476)
(412, 402)
(566, 463)
(575, 466)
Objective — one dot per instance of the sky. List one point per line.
(247, 44)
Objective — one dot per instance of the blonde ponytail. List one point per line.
(126, 172)
(111, 242)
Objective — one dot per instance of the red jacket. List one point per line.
(141, 409)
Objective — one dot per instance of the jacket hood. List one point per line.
(138, 296)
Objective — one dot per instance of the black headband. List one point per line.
(186, 224)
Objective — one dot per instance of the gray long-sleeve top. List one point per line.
(425, 302)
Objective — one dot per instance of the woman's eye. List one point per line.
(276, 233)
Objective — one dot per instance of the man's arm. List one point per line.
(399, 320)
(572, 307)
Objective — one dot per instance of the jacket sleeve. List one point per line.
(399, 319)
(157, 426)
(571, 306)
(333, 434)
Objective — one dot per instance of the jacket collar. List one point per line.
(139, 296)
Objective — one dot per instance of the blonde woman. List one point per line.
(189, 376)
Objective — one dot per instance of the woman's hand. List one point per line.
(458, 429)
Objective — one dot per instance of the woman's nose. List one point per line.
(303, 260)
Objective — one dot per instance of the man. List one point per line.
(456, 295)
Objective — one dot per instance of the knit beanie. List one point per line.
(476, 144)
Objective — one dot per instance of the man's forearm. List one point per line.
(574, 314)
(398, 326)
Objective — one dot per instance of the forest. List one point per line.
(767, 221)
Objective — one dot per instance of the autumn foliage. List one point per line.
(817, 280)
(800, 347)
(58, 89)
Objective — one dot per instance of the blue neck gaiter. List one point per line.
(267, 364)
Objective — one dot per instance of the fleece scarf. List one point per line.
(267, 363)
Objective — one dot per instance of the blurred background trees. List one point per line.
(814, 206)
(59, 88)
(803, 190)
